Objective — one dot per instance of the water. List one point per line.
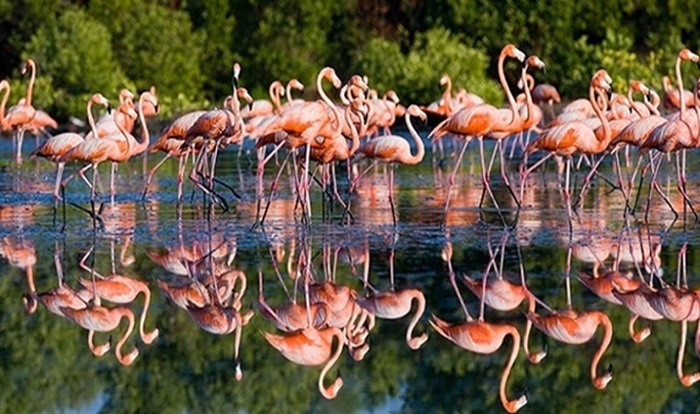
(48, 367)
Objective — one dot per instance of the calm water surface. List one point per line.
(48, 367)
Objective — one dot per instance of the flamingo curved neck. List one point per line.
(607, 134)
(30, 87)
(607, 338)
(415, 159)
(3, 104)
(118, 350)
(679, 81)
(327, 100)
(447, 96)
(528, 97)
(127, 136)
(147, 338)
(414, 321)
(506, 88)
(353, 131)
(274, 92)
(511, 406)
(143, 145)
(91, 120)
(331, 391)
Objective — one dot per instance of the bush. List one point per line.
(415, 76)
(77, 53)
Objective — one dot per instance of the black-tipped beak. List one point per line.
(698, 63)
(157, 107)
(109, 108)
(250, 106)
(608, 94)
(544, 70)
(610, 368)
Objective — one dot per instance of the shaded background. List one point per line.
(186, 48)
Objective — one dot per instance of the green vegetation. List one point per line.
(186, 48)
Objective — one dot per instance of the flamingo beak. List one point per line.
(156, 107)
(610, 368)
(250, 106)
(109, 108)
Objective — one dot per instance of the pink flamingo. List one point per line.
(19, 116)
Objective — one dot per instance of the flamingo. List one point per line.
(311, 347)
(576, 328)
(62, 296)
(392, 149)
(569, 138)
(291, 316)
(676, 135)
(58, 145)
(4, 85)
(123, 290)
(99, 318)
(106, 124)
(395, 304)
(97, 151)
(19, 116)
(479, 120)
(482, 337)
(220, 320)
(672, 96)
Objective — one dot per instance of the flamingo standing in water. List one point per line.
(392, 149)
(20, 116)
(568, 138)
(677, 135)
(58, 145)
(479, 120)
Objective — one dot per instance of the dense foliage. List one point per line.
(186, 48)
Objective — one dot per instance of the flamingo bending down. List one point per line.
(99, 318)
(20, 116)
(312, 347)
(393, 149)
(576, 328)
(123, 290)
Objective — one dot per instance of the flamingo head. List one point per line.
(4, 84)
(602, 80)
(392, 96)
(128, 111)
(686, 54)
(150, 100)
(639, 337)
(332, 391)
(129, 358)
(603, 381)
(513, 52)
(689, 380)
(515, 405)
(444, 80)
(239, 372)
(417, 342)
(358, 81)
(535, 62)
(99, 99)
(30, 303)
(329, 73)
(414, 110)
(243, 94)
(446, 253)
(125, 95)
(638, 86)
(294, 83)
(150, 337)
(28, 64)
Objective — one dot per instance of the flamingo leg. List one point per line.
(451, 179)
(151, 173)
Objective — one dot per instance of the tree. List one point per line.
(74, 59)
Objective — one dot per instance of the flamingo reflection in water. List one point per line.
(394, 304)
(95, 317)
(119, 289)
(312, 346)
(575, 328)
(62, 296)
(481, 337)
(679, 304)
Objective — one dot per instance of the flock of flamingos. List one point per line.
(326, 133)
